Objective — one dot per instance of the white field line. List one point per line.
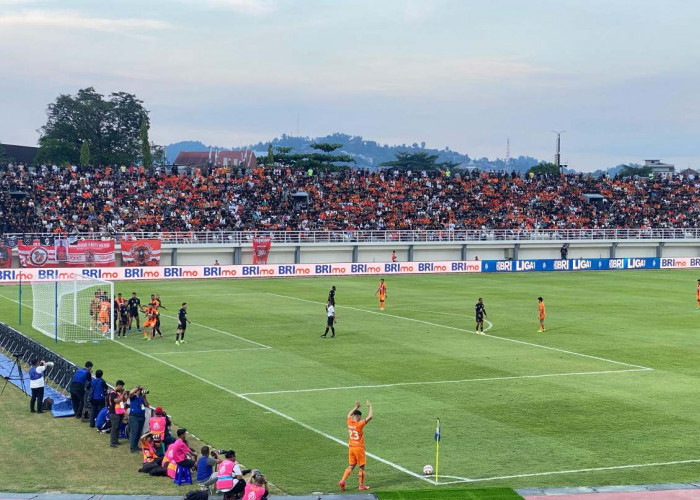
(261, 346)
(433, 382)
(213, 350)
(278, 413)
(507, 339)
(571, 471)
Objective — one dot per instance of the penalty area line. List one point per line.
(278, 413)
(433, 382)
(507, 339)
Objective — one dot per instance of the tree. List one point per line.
(158, 154)
(631, 171)
(312, 160)
(270, 160)
(146, 156)
(85, 154)
(417, 162)
(110, 127)
(544, 168)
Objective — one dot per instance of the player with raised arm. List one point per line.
(150, 312)
(381, 293)
(541, 314)
(330, 320)
(356, 444)
(181, 324)
(480, 311)
(159, 305)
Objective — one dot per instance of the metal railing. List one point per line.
(418, 236)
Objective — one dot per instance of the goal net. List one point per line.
(74, 311)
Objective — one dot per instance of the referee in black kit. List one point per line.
(181, 324)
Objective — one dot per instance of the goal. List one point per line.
(76, 311)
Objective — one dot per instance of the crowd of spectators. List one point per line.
(163, 454)
(109, 200)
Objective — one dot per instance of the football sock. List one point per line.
(362, 477)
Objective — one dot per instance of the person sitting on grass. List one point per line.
(103, 422)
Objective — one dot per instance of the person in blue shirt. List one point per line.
(98, 391)
(207, 467)
(77, 388)
(104, 424)
(137, 416)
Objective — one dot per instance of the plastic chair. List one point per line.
(183, 475)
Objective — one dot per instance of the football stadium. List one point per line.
(209, 291)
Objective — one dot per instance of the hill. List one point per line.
(367, 153)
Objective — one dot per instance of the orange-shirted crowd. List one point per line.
(132, 199)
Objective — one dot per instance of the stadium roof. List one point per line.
(19, 154)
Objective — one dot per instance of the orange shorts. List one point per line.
(382, 298)
(541, 316)
(149, 322)
(356, 455)
(104, 318)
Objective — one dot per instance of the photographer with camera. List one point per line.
(116, 401)
(138, 402)
(77, 388)
(206, 467)
(256, 489)
(36, 384)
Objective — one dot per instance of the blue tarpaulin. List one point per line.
(62, 406)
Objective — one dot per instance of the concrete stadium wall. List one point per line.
(310, 253)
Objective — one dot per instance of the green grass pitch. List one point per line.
(610, 394)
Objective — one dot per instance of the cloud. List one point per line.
(76, 21)
(252, 7)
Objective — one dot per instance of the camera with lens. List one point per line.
(144, 391)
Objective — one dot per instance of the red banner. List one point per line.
(141, 252)
(88, 253)
(35, 254)
(5, 255)
(261, 249)
(83, 253)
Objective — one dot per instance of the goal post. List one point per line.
(78, 310)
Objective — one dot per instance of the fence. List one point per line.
(18, 345)
(430, 236)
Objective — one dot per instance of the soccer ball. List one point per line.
(428, 470)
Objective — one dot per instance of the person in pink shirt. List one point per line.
(181, 453)
(256, 489)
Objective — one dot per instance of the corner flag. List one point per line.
(437, 448)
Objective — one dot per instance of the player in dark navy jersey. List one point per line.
(480, 312)
(133, 305)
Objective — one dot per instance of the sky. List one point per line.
(620, 77)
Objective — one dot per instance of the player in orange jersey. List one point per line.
(540, 307)
(356, 443)
(381, 293)
(151, 312)
(104, 314)
(697, 294)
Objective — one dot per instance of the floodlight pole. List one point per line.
(557, 154)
